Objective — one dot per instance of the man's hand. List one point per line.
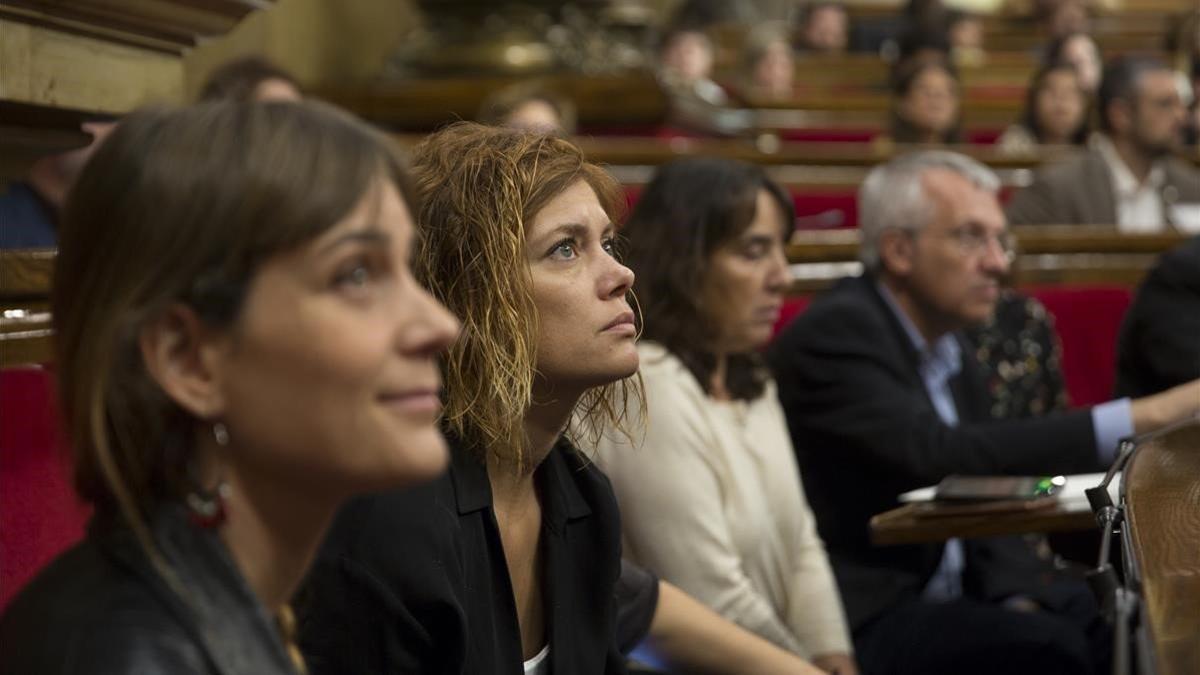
(836, 664)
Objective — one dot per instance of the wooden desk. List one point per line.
(1162, 507)
(905, 525)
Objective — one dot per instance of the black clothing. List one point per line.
(1159, 344)
(865, 431)
(416, 580)
(1019, 359)
(102, 609)
(637, 600)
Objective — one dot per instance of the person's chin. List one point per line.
(422, 456)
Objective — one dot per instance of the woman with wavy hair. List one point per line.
(240, 345)
(510, 560)
(710, 495)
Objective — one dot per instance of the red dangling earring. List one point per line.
(207, 507)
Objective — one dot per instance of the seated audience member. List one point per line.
(1059, 18)
(1128, 176)
(824, 27)
(880, 398)
(252, 78)
(1079, 51)
(966, 35)
(529, 106)
(520, 547)
(240, 347)
(1056, 112)
(925, 103)
(709, 496)
(29, 209)
(768, 67)
(1159, 344)
(685, 57)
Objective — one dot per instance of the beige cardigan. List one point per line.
(712, 502)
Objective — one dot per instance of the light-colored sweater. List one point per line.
(711, 501)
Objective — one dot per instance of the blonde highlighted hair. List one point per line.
(480, 188)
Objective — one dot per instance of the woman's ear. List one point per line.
(184, 357)
(896, 252)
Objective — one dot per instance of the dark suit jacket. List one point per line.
(1159, 345)
(865, 431)
(415, 581)
(1079, 191)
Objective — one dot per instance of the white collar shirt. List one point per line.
(1139, 205)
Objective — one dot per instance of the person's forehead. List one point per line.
(1156, 82)
(957, 200)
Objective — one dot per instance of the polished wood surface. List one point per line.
(29, 132)
(1162, 506)
(913, 524)
(169, 26)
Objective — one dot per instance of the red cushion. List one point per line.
(1088, 319)
(40, 516)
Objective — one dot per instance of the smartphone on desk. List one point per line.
(988, 488)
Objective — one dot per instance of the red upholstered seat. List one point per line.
(40, 516)
(1087, 319)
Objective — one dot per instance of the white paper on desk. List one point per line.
(1071, 493)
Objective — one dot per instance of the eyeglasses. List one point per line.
(973, 241)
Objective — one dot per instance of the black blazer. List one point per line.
(415, 581)
(1159, 345)
(865, 431)
(102, 609)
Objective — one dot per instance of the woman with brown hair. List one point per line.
(510, 560)
(709, 492)
(925, 103)
(240, 346)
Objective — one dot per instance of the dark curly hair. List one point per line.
(691, 208)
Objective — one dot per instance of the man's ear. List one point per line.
(184, 357)
(896, 252)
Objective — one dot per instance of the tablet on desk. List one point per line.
(998, 488)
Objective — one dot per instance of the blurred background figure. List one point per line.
(29, 208)
(925, 104)
(685, 57)
(965, 33)
(530, 106)
(824, 28)
(1056, 112)
(768, 67)
(1059, 18)
(1081, 52)
(252, 78)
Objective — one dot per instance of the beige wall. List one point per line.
(43, 66)
(318, 41)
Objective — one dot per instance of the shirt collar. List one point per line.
(561, 499)
(1124, 182)
(945, 352)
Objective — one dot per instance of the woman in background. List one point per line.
(240, 346)
(925, 104)
(711, 498)
(1056, 112)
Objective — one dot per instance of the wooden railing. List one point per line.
(1162, 504)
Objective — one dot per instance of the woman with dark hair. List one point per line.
(250, 78)
(1079, 51)
(1055, 112)
(510, 561)
(925, 104)
(711, 499)
(240, 347)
